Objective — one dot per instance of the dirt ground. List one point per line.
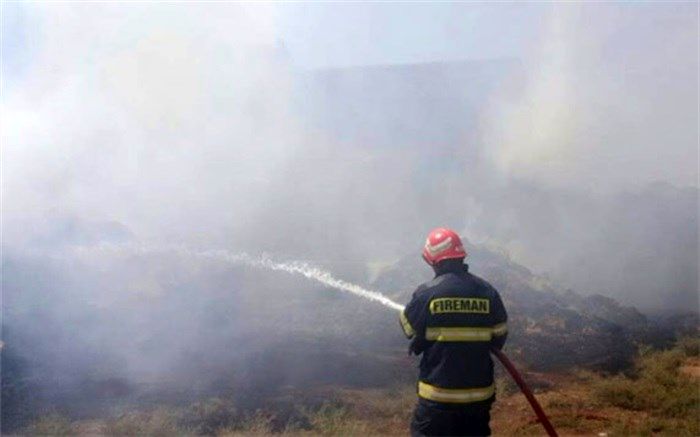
(568, 399)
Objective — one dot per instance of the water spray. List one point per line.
(264, 261)
(304, 269)
(317, 274)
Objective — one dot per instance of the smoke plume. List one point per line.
(189, 125)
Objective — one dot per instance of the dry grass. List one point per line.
(159, 422)
(51, 425)
(258, 423)
(658, 398)
(663, 388)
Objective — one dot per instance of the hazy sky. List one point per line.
(342, 34)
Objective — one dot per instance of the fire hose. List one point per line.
(526, 391)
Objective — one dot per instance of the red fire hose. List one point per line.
(526, 391)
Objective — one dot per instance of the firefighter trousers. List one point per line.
(434, 421)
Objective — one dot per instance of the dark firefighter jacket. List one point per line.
(453, 321)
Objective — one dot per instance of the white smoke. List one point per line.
(181, 123)
(169, 125)
(185, 125)
(608, 101)
(261, 262)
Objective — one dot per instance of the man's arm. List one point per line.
(413, 321)
(500, 322)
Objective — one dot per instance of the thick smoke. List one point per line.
(170, 120)
(604, 106)
(186, 124)
(589, 138)
(153, 124)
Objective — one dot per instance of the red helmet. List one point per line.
(442, 243)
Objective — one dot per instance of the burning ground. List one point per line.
(658, 396)
(199, 125)
(201, 346)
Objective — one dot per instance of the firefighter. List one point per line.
(453, 321)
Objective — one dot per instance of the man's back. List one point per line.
(457, 318)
